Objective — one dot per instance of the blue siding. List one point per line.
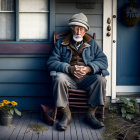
(25, 78)
(26, 89)
(29, 103)
(128, 52)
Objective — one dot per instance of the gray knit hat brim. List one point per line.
(79, 19)
(79, 24)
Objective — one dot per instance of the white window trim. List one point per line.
(128, 89)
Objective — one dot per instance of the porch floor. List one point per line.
(21, 129)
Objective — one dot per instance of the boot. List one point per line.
(66, 119)
(91, 119)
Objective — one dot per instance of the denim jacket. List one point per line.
(92, 55)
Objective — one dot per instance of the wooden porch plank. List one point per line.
(11, 128)
(68, 133)
(78, 128)
(28, 132)
(89, 133)
(35, 135)
(61, 135)
(18, 127)
(24, 127)
(55, 132)
(3, 131)
(46, 134)
(73, 130)
(98, 132)
(93, 133)
(83, 126)
(86, 130)
(6, 131)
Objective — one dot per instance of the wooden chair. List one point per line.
(78, 99)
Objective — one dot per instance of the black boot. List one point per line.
(91, 119)
(66, 119)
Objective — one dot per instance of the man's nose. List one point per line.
(79, 31)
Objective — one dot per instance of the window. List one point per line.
(24, 20)
(7, 20)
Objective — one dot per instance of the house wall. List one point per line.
(23, 71)
(24, 78)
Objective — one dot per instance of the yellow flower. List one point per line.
(14, 103)
(8, 102)
(4, 101)
(1, 104)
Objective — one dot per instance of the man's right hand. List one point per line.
(76, 71)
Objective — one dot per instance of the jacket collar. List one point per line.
(68, 38)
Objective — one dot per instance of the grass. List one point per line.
(118, 128)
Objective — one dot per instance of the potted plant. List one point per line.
(7, 110)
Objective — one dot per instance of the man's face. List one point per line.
(78, 33)
(79, 30)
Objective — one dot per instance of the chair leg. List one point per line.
(103, 111)
(55, 113)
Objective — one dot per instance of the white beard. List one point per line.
(77, 38)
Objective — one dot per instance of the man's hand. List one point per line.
(71, 69)
(79, 71)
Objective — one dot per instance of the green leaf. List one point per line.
(17, 112)
(123, 110)
(129, 116)
(123, 115)
(133, 100)
(130, 104)
(137, 110)
(124, 100)
(11, 111)
(8, 112)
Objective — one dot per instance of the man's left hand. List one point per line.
(81, 71)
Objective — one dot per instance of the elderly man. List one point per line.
(79, 63)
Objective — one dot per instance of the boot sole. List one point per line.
(63, 128)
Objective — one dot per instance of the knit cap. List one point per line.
(79, 19)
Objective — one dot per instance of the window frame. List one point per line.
(51, 26)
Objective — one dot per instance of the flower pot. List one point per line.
(6, 119)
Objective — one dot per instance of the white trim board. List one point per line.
(107, 45)
(117, 100)
(127, 88)
(114, 50)
(109, 48)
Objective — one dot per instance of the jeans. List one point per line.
(95, 84)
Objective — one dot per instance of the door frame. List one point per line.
(109, 44)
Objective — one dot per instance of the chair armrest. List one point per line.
(53, 74)
(104, 73)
